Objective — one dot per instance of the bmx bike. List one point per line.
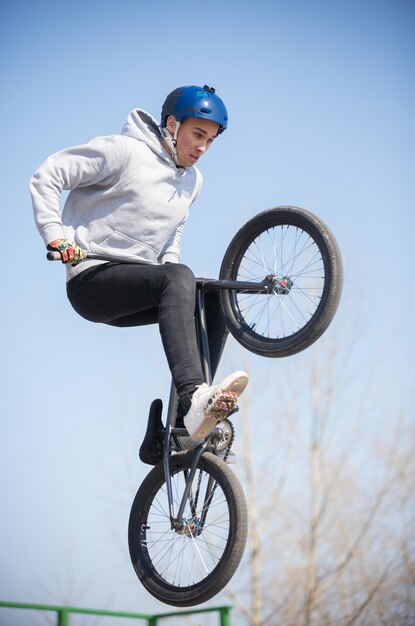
(279, 285)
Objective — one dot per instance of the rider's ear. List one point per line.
(171, 124)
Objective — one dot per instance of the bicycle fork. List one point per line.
(176, 520)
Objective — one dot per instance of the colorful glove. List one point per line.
(69, 251)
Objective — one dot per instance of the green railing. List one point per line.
(63, 613)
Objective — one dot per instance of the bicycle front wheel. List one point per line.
(296, 256)
(188, 563)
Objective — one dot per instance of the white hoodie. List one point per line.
(127, 195)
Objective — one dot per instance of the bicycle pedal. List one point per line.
(151, 450)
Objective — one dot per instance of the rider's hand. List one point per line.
(69, 251)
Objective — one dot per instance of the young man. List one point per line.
(130, 195)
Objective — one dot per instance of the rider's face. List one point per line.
(195, 136)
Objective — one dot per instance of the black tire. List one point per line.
(190, 566)
(296, 253)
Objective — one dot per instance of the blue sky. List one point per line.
(321, 100)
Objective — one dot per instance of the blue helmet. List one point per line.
(193, 101)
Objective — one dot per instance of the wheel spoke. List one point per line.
(285, 252)
(186, 556)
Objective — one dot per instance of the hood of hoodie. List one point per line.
(142, 126)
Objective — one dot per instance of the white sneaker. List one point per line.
(211, 405)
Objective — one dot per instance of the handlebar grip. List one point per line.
(53, 256)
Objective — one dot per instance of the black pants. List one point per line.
(122, 294)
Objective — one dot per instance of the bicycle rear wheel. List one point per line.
(295, 254)
(187, 565)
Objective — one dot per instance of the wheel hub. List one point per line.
(279, 285)
(190, 528)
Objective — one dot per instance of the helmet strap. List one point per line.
(172, 141)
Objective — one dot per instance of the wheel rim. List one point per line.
(291, 263)
(185, 556)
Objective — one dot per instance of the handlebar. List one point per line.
(55, 256)
(204, 283)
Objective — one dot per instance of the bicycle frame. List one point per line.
(203, 285)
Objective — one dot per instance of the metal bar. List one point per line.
(63, 618)
(206, 283)
(203, 336)
(238, 285)
(189, 479)
(210, 490)
(152, 619)
(68, 610)
(225, 617)
(170, 421)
